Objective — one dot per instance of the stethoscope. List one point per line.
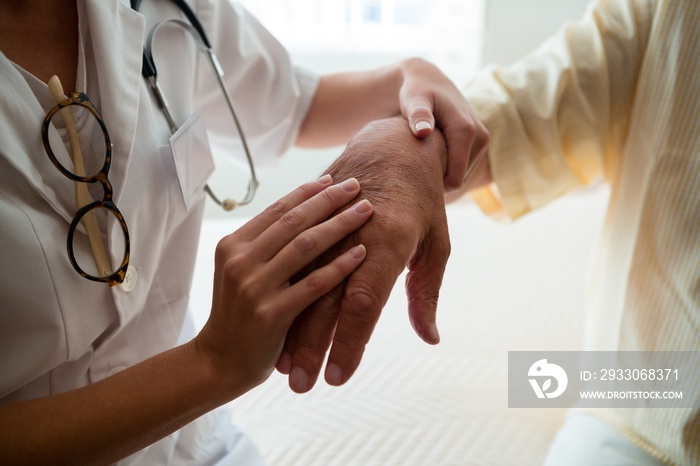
(194, 27)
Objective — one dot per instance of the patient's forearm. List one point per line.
(345, 102)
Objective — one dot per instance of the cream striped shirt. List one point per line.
(615, 95)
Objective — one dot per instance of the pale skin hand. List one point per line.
(402, 175)
(426, 92)
(254, 267)
(255, 302)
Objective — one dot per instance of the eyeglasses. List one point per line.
(78, 111)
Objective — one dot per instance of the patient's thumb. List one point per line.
(422, 291)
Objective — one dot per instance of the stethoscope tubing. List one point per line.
(150, 73)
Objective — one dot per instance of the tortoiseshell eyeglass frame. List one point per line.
(80, 99)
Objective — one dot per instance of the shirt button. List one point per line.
(130, 279)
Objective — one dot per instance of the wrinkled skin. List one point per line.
(403, 178)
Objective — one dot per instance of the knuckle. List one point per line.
(444, 249)
(401, 228)
(276, 208)
(233, 267)
(305, 188)
(314, 283)
(326, 308)
(229, 255)
(363, 303)
(237, 276)
(309, 355)
(437, 245)
(221, 251)
(485, 135)
(350, 344)
(470, 127)
(329, 195)
(426, 296)
(328, 305)
(305, 242)
(421, 110)
(482, 139)
(311, 350)
(340, 267)
(293, 218)
(343, 220)
(250, 290)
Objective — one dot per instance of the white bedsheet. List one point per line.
(507, 287)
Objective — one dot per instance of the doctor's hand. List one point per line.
(345, 102)
(254, 302)
(402, 176)
(428, 99)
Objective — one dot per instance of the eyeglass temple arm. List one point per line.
(82, 197)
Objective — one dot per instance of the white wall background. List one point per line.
(515, 27)
(461, 36)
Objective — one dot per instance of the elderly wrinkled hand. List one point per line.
(403, 178)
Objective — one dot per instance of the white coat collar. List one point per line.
(117, 33)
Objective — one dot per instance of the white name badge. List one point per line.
(193, 160)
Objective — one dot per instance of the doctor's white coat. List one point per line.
(59, 331)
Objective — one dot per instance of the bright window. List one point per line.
(345, 34)
(328, 36)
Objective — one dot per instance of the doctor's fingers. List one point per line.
(419, 113)
(274, 212)
(303, 293)
(307, 214)
(311, 243)
(430, 97)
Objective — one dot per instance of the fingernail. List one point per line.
(423, 125)
(325, 179)
(334, 375)
(284, 364)
(299, 380)
(359, 251)
(350, 185)
(363, 207)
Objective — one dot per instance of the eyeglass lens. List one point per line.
(98, 239)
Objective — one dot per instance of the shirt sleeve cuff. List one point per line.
(527, 169)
